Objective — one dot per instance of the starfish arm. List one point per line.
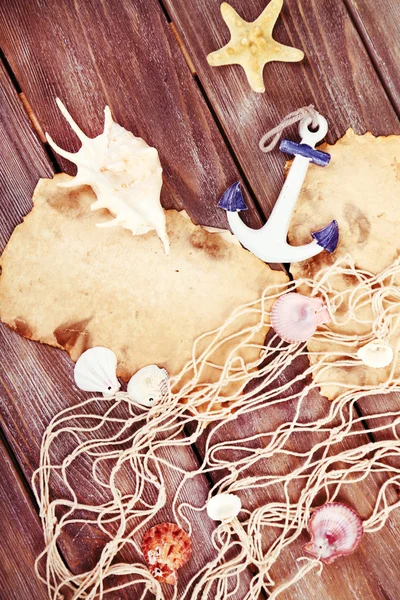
(254, 74)
(231, 18)
(223, 56)
(286, 53)
(269, 16)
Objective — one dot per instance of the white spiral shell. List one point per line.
(224, 507)
(124, 172)
(96, 371)
(148, 385)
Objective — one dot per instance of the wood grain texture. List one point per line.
(21, 536)
(336, 76)
(89, 57)
(368, 574)
(36, 382)
(23, 159)
(378, 24)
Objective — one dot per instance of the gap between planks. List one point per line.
(210, 107)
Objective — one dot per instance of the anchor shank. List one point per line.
(282, 212)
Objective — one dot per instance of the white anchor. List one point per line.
(270, 241)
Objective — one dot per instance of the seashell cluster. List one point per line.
(224, 507)
(295, 317)
(125, 174)
(377, 354)
(96, 371)
(336, 530)
(166, 548)
(148, 386)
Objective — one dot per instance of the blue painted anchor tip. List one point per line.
(328, 237)
(232, 199)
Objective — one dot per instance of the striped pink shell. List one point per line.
(336, 530)
(295, 317)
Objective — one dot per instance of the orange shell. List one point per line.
(166, 548)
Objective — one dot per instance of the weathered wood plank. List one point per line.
(85, 55)
(23, 159)
(368, 573)
(21, 536)
(378, 24)
(336, 76)
(36, 381)
(149, 139)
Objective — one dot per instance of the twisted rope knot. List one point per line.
(290, 119)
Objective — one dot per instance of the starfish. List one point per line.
(251, 45)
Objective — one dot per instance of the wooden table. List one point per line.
(147, 60)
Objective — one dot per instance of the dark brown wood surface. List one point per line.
(336, 76)
(378, 25)
(206, 128)
(131, 63)
(21, 536)
(36, 381)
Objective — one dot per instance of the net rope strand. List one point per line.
(93, 436)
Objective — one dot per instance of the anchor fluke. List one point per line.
(327, 237)
(232, 199)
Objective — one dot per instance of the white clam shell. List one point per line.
(96, 371)
(125, 174)
(148, 385)
(224, 507)
(377, 354)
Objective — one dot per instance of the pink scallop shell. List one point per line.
(295, 317)
(336, 530)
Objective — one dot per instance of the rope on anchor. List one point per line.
(290, 119)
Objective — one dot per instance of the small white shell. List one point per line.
(224, 507)
(377, 354)
(96, 371)
(148, 385)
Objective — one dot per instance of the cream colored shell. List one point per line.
(96, 371)
(149, 385)
(125, 174)
(377, 354)
(224, 507)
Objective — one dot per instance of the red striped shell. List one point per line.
(166, 548)
(295, 317)
(336, 530)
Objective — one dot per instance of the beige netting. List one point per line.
(95, 431)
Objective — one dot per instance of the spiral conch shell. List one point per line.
(125, 174)
(166, 548)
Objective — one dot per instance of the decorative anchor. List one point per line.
(270, 241)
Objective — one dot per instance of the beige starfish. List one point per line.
(251, 45)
